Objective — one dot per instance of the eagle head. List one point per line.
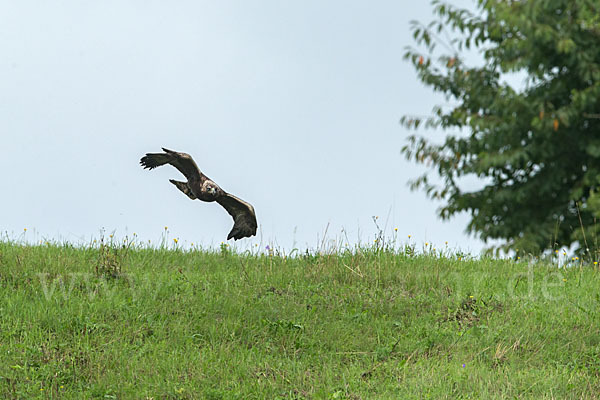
(211, 191)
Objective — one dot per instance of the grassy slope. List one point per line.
(364, 325)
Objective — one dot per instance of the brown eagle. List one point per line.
(199, 186)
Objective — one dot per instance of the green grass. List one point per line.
(98, 322)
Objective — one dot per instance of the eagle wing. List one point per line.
(182, 161)
(244, 217)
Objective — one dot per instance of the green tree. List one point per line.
(536, 148)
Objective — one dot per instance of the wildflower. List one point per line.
(446, 243)
(166, 227)
(24, 229)
(576, 258)
(110, 236)
(426, 244)
(463, 365)
(409, 236)
(564, 279)
(175, 240)
(192, 243)
(470, 297)
(556, 251)
(595, 262)
(518, 258)
(267, 247)
(395, 229)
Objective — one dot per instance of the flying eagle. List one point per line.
(201, 187)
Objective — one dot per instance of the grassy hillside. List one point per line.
(109, 323)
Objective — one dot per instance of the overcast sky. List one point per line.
(292, 106)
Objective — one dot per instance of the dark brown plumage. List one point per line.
(199, 186)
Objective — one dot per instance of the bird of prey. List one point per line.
(199, 186)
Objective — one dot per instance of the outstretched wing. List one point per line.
(244, 218)
(182, 161)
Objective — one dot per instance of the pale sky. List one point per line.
(292, 106)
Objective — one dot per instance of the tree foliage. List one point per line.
(536, 147)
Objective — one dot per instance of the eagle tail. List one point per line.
(183, 186)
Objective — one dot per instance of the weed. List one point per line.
(109, 263)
